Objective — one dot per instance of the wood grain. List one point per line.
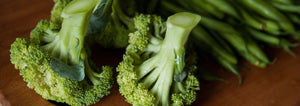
(276, 85)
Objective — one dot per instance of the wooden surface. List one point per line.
(276, 85)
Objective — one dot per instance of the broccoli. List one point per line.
(55, 60)
(34, 65)
(153, 70)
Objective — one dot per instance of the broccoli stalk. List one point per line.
(68, 43)
(169, 61)
(161, 77)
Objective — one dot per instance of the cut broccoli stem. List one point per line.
(157, 72)
(67, 44)
(179, 27)
(69, 41)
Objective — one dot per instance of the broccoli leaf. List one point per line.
(74, 72)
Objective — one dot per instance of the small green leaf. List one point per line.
(74, 72)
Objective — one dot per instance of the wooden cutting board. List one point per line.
(276, 85)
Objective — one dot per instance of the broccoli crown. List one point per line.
(34, 65)
(153, 69)
(55, 61)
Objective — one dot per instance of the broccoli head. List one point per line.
(55, 60)
(153, 70)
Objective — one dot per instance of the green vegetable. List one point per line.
(34, 65)
(287, 7)
(153, 69)
(55, 60)
(232, 29)
(224, 6)
(210, 8)
(269, 12)
(264, 37)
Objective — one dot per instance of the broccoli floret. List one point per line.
(34, 65)
(153, 69)
(55, 61)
